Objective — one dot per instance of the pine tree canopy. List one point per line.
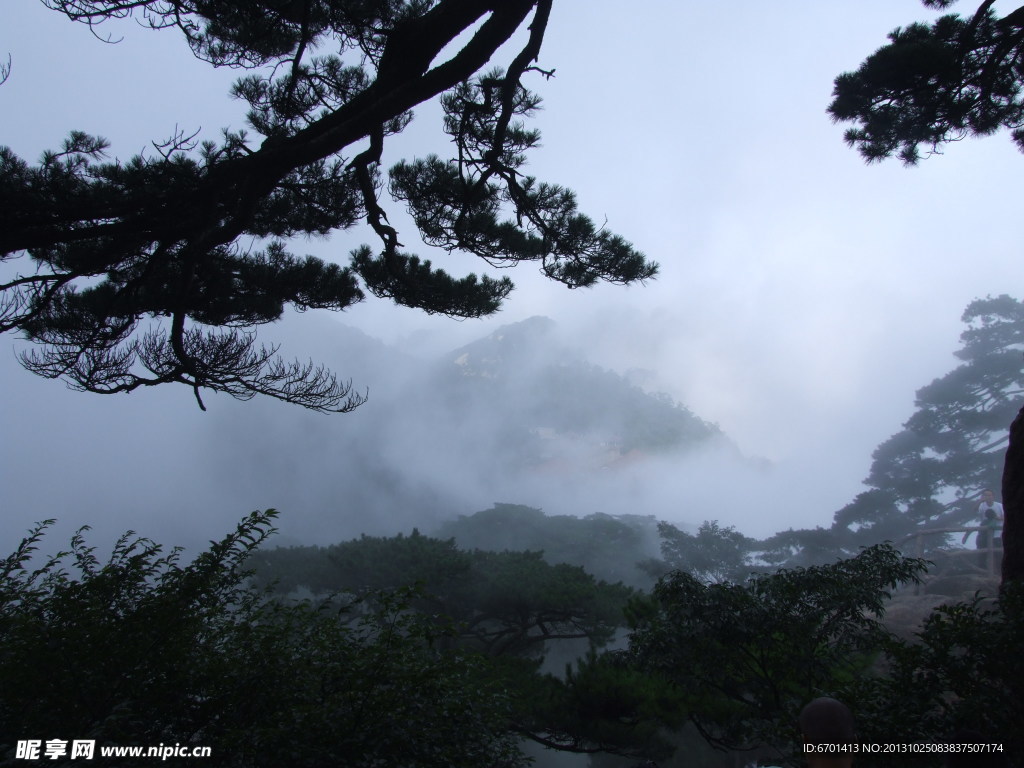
(933, 471)
(932, 84)
(936, 83)
(193, 238)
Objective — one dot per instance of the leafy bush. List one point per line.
(745, 658)
(142, 650)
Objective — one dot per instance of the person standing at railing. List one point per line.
(988, 502)
(989, 538)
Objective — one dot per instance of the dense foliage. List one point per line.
(713, 554)
(194, 234)
(510, 602)
(962, 673)
(516, 608)
(141, 649)
(205, 657)
(746, 657)
(608, 546)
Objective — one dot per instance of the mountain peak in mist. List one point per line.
(534, 391)
(527, 341)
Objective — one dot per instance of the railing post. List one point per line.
(920, 551)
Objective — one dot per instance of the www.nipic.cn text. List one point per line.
(85, 749)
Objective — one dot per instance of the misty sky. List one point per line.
(803, 296)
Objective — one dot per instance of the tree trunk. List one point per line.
(1013, 503)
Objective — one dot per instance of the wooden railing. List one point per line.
(992, 561)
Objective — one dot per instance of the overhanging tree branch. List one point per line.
(161, 233)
